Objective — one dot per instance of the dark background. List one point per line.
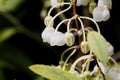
(40, 53)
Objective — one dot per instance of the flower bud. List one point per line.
(69, 39)
(84, 47)
(79, 33)
(82, 2)
(47, 21)
(43, 13)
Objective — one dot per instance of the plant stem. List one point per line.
(75, 13)
(99, 67)
(76, 21)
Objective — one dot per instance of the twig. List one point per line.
(99, 67)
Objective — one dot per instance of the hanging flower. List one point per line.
(108, 3)
(47, 33)
(114, 73)
(57, 39)
(101, 13)
(82, 2)
(54, 2)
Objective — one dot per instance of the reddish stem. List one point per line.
(76, 21)
(75, 13)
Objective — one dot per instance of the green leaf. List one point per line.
(6, 33)
(9, 5)
(98, 45)
(39, 78)
(2, 76)
(52, 72)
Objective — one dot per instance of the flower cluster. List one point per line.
(79, 38)
(55, 37)
(51, 35)
(100, 10)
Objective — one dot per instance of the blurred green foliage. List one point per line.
(6, 33)
(9, 5)
(12, 59)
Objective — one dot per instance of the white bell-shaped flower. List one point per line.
(54, 2)
(82, 2)
(106, 14)
(114, 73)
(47, 33)
(100, 3)
(47, 20)
(57, 39)
(101, 13)
(69, 39)
(108, 3)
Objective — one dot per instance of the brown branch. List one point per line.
(76, 21)
(75, 13)
(99, 67)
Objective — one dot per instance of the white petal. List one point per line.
(114, 73)
(106, 14)
(53, 2)
(108, 3)
(100, 3)
(101, 13)
(47, 33)
(82, 2)
(57, 39)
(97, 14)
